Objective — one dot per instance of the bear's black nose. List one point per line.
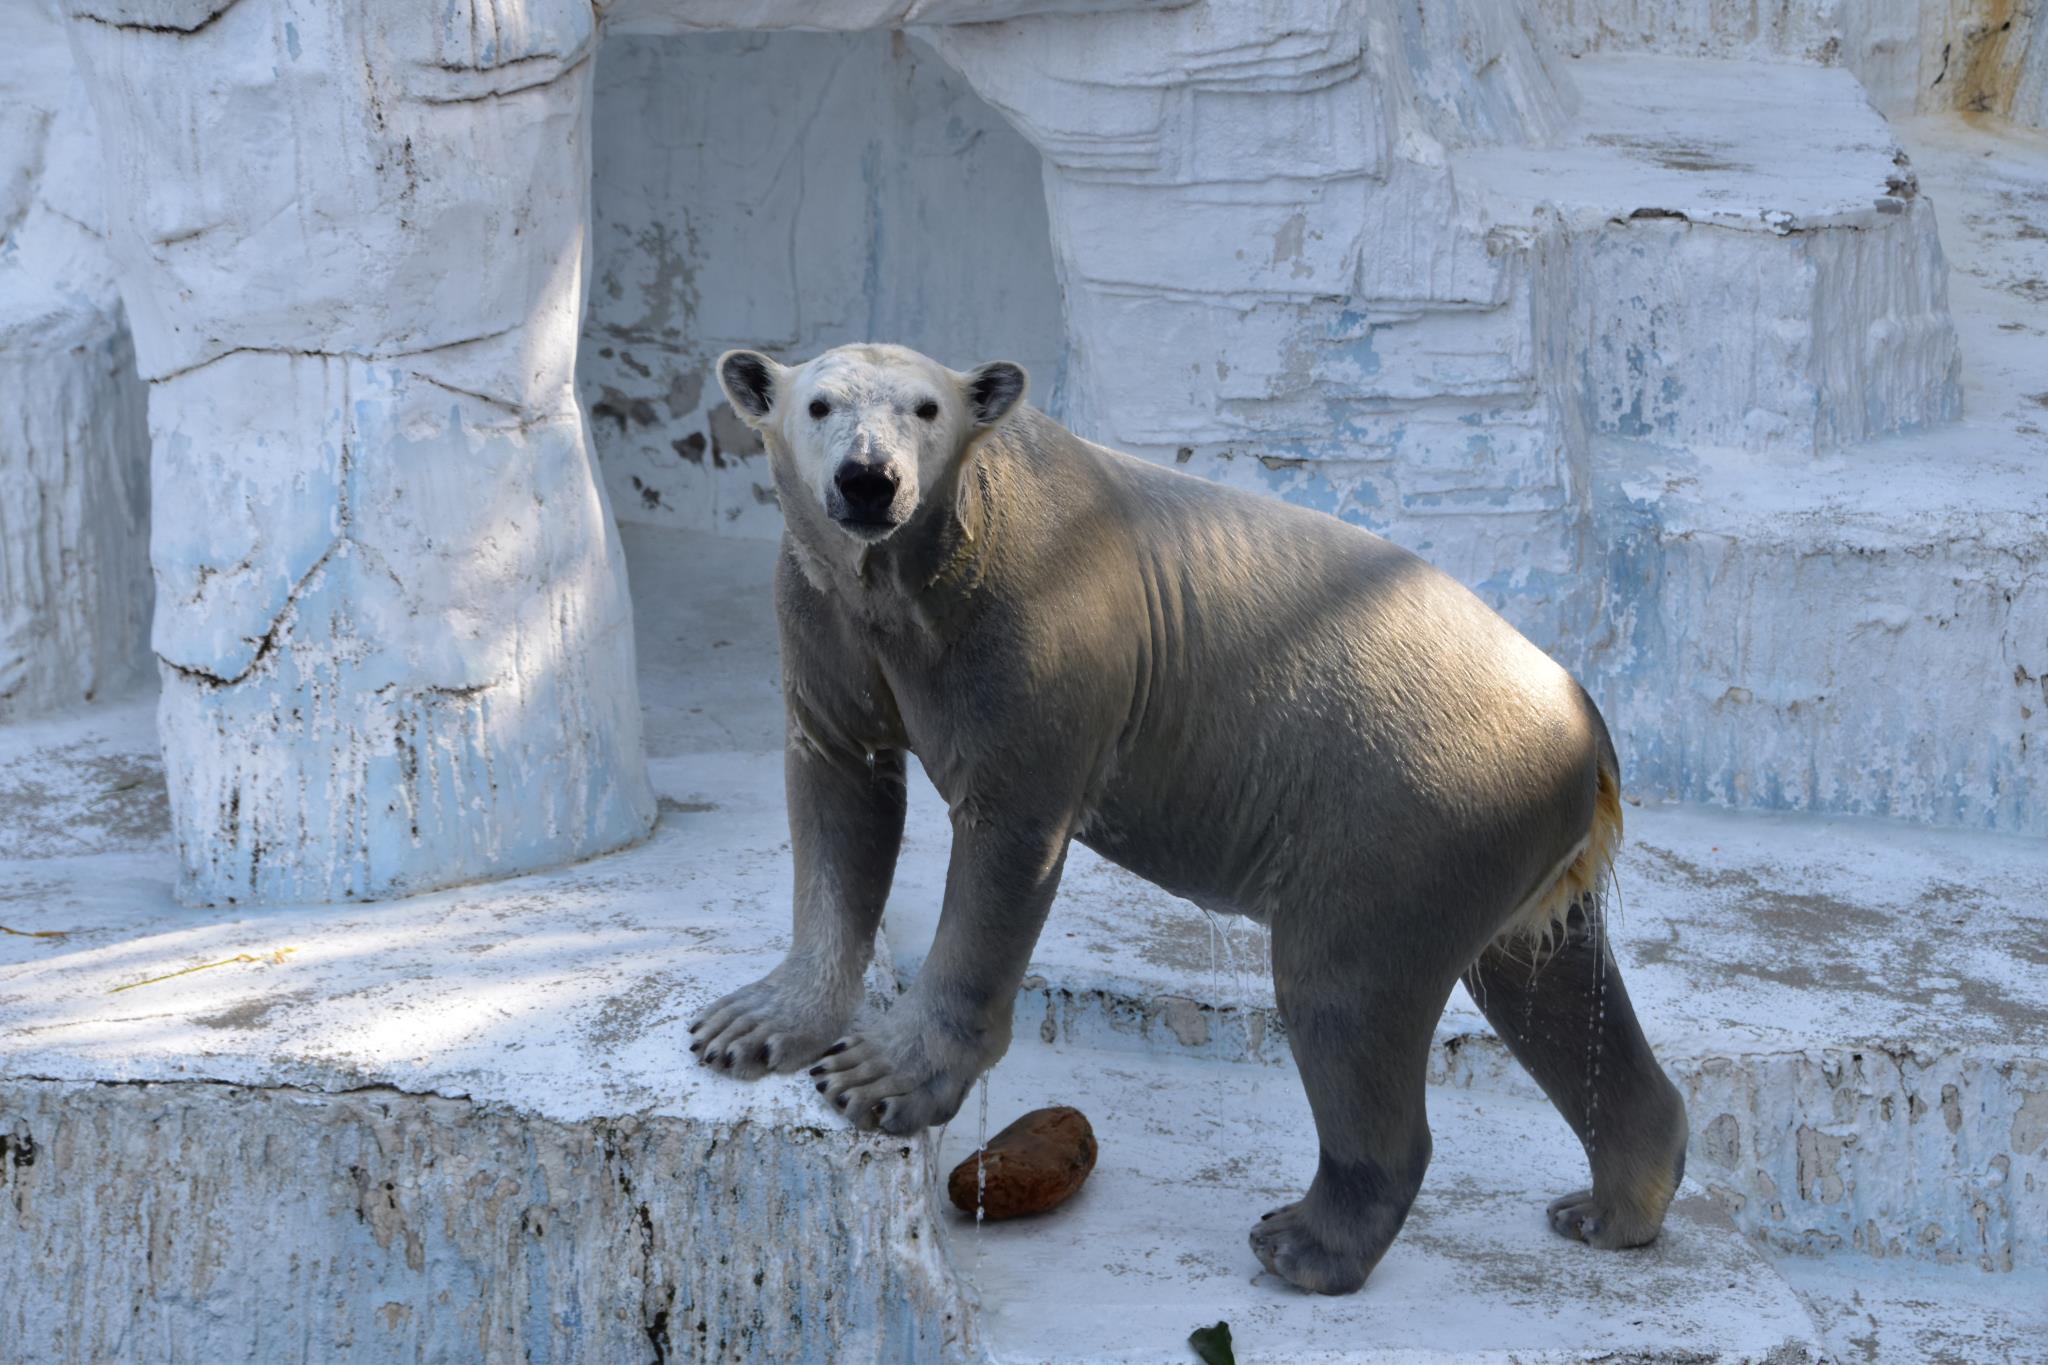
(867, 491)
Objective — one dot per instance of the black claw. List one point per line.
(840, 1102)
(697, 1046)
(821, 1087)
(726, 1060)
(839, 1047)
(818, 1071)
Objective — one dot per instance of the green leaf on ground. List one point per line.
(1212, 1345)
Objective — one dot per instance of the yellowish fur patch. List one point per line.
(1654, 1191)
(1540, 920)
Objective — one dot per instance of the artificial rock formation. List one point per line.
(74, 524)
(1399, 262)
(391, 609)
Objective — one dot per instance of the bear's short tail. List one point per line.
(1540, 921)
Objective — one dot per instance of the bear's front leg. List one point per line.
(845, 829)
(913, 1067)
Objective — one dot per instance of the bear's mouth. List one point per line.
(861, 523)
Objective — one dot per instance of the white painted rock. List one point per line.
(391, 607)
(74, 454)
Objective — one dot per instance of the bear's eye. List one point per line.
(928, 410)
(820, 409)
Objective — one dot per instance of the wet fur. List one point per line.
(1541, 922)
(1253, 705)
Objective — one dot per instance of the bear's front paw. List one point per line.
(901, 1075)
(776, 1024)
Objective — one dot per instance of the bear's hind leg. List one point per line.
(1360, 1036)
(1566, 1017)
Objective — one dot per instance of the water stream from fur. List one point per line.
(981, 1167)
(1598, 926)
(1219, 930)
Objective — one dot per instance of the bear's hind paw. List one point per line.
(1286, 1243)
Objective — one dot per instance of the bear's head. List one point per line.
(867, 431)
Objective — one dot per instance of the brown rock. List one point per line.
(1033, 1165)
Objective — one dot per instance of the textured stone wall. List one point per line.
(1273, 278)
(74, 452)
(1223, 238)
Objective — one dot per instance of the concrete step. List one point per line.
(1863, 634)
(1763, 613)
(1193, 1151)
(1728, 254)
(471, 1118)
(1928, 56)
(1911, 1313)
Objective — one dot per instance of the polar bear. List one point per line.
(1254, 705)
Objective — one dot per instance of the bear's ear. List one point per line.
(993, 389)
(751, 381)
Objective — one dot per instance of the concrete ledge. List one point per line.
(1772, 612)
(212, 1223)
(462, 1126)
(1941, 54)
(1733, 253)
(1763, 610)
